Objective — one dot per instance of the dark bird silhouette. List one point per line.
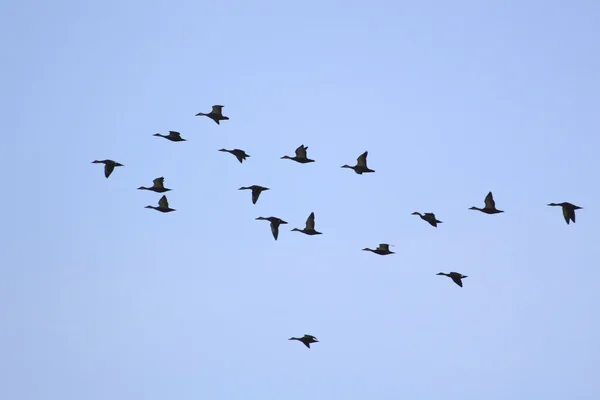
(568, 210)
(361, 164)
(455, 276)
(300, 155)
(158, 186)
(490, 205)
(163, 205)
(275, 222)
(239, 154)
(429, 217)
(306, 339)
(310, 226)
(256, 190)
(109, 166)
(382, 250)
(172, 136)
(216, 114)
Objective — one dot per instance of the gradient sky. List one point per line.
(103, 299)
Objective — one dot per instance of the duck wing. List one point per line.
(301, 151)
(361, 161)
(108, 169)
(310, 222)
(489, 201)
(159, 183)
(163, 202)
(275, 229)
(217, 110)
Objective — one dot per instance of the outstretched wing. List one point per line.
(159, 182)
(163, 202)
(108, 169)
(489, 201)
(568, 213)
(384, 247)
(310, 222)
(217, 110)
(175, 134)
(361, 161)
(255, 194)
(275, 230)
(239, 154)
(301, 151)
(457, 280)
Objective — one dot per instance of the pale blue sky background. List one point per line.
(102, 299)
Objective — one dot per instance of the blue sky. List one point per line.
(101, 298)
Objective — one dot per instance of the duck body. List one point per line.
(568, 210)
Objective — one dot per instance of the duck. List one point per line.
(490, 205)
(455, 276)
(157, 186)
(216, 114)
(109, 166)
(382, 250)
(429, 217)
(173, 136)
(310, 226)
(361, 164)
(275, 222)
(300, 155)
(568, 210)
(306, 339)
(256, 191)
(239, 154)
(163, 205)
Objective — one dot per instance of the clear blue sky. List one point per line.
(102, 299)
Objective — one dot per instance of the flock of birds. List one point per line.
(216, 114)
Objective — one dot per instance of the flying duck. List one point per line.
(109, 166)
(158, 186)
(306, 339)
(300, 155)
(568, 210)
(490, 205)
(361, 164)
(455, 276)
(216, 114)
(239, 154)
(382, 250)
(275, 222)
(429, 217)
(173, 136)
(256, 190)
(163, 205)
(310, 226)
